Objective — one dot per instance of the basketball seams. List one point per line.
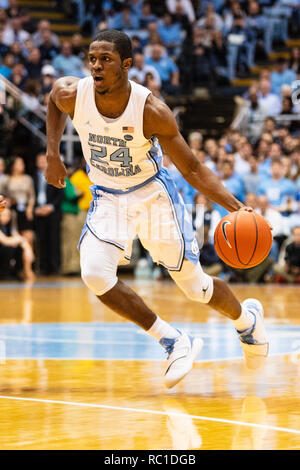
(256, 241)
(235, 243)
(220, 249)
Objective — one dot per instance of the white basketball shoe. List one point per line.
(182, 352)
(254, 339)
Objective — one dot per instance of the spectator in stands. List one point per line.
(16, 254)
(269, 125)
(281, 76)
(3, 47)
(275, 153)
(7, 65)
(182, 19)
(48, 48)
(280, 191)
(47, 219)
(252, 179)
(27, 48)
(67, 64)
(240, 46)
(3, 19)
(294, 62)
(17, 50)
(211, 153)
(48, 78)
(167, 69)
(14, 32)
(211, 20)
(38, 36)
(147, 15)
(18, 76)
(259, 26)
(289, 271)
(140, 69)
(78, 48)
(195, 140)
(241, 158)
(137, 47)
(267, 99)
(287, 110)
(170, 34)
(187, 7)
(14, 10)
(20, 192)
(277, 222)
(34, 63)
(125, 20)
(250, 116)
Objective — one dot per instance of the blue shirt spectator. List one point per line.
(277, 189)
(169, 32)
(68, 64)
(164, 65)
(125, 20)
(253, 178)
(233, 183)
(281, 76)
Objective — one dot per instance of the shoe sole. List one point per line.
(196, 349)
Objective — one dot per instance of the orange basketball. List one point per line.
(243, 239)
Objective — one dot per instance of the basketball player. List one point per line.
(121, 126)
(2, 204)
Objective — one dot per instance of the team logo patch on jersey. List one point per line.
(128, 129)
(128, 137)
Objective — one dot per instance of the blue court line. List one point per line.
(117, 341)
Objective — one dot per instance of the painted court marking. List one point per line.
(154, 412)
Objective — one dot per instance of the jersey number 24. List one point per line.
(121, 155)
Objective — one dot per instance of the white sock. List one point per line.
(161, 329)
(245, 320)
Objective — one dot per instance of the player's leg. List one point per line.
(247, 317)
(99, 261)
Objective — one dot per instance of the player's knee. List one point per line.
(195, 283)
(98, 282)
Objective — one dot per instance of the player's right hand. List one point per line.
(55, 173)
(2, 204)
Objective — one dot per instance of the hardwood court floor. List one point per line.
(76, 376)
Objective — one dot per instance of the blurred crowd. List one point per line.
(178, 45)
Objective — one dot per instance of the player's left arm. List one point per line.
(159, 121)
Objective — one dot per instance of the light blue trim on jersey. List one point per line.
(155, 153)
(87, 168)
(87, 226)
(96, 187)
(181, 217)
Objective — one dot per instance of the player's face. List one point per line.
(107, 68)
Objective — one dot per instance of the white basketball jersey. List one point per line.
(118, 155)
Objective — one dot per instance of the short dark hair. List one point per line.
(119, 39)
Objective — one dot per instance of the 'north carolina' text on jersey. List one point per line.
(116, 151)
